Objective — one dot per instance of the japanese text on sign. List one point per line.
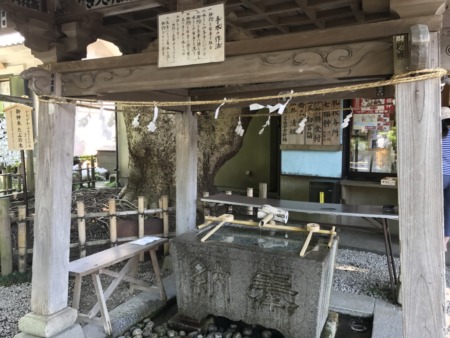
(323, 124)
(31, 4)
(192, 37)
(19, 127)
(101, 3)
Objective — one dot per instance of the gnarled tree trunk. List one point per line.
(152, 155)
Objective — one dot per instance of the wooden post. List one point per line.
(5, 237)
(230, 207)
(160, 214)
(186, 171)
(420, 195)
(88, 174)
(93, 178)
(165, 207)
(50, 281)
(81, 228)
(29, 166)
(263, 190)
(141, 222)
(250, 194)
(112, 222)
(22, 238)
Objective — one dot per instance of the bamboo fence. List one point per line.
(7, 253)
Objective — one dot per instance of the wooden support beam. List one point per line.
(332, 36)
(52, 220)
(420, 203)
(322, 64)
(49, 289)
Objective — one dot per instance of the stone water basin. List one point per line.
(255, 275)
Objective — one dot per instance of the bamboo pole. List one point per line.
(22, 238)
(333, 233)
(266, 219)
(230, 207)
(160, 214)
(311, 227)
(263, 190)
(5, 237)
(141, 220)
(165, 207)
(249, 194)
(226, 218)
(93, 171)
(81, 228)
(206, 210)
(204, 225)
(112, 222)
(88, 174)
(211, 219)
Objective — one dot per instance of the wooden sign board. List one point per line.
(323, 126)
(192, 37)
(331, 122)
(19, 127)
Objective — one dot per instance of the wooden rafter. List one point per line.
(311, 13)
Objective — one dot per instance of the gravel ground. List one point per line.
(357, 272)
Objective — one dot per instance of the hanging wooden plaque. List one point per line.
(19, 127)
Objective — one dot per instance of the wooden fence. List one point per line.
(7, 253)
(10, 183)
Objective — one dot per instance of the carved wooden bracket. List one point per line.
(52, 37)
(40, 81)
(412, 8)
(411, 51)
(419, 40)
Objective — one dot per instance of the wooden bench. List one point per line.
(98, 263)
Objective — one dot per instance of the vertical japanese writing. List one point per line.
(211, 31)
(191, 37)
(218, 37)
(183, 36)
(11, 130)
(323, 125)
(284, 133)
(309, 128)
(331, 122)
(18, 118)
(19, 127)
(188, 35)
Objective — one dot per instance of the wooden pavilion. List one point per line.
(270, 46)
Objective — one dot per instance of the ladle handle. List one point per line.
(217, 227)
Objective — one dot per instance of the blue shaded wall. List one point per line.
(311, 163)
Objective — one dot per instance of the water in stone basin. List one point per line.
(286, 241)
